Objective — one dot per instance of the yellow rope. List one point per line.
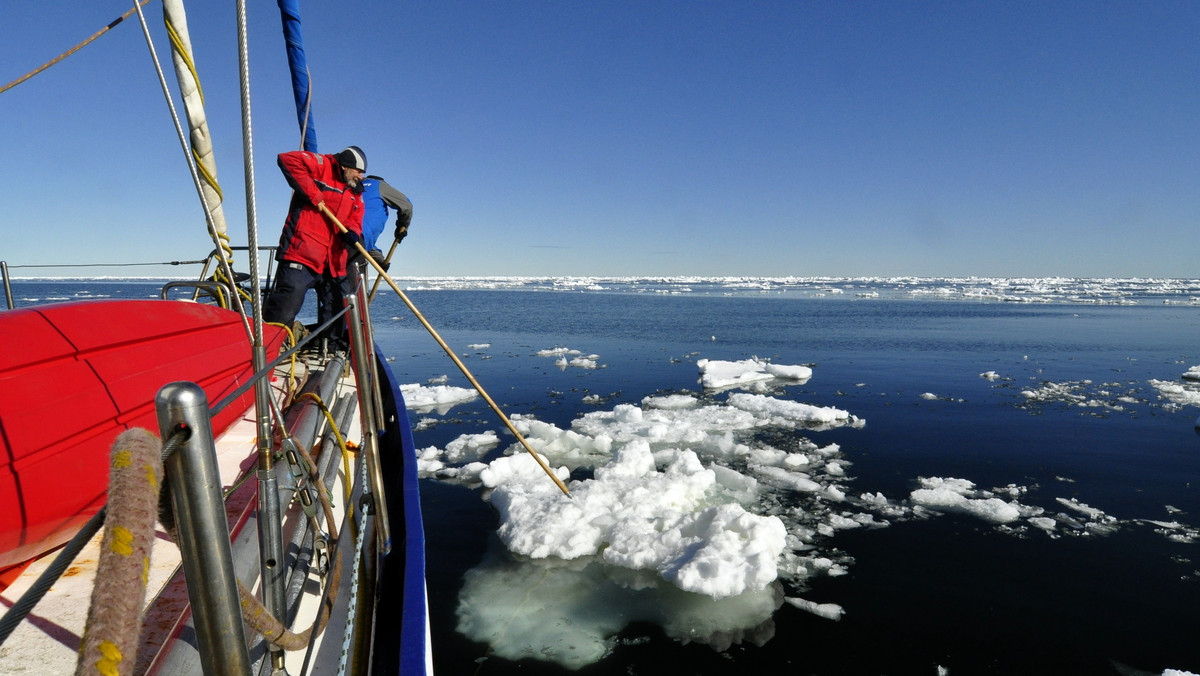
(291, 341)
(341, 443)
(70, 51)
(177, 46)
(209, 179)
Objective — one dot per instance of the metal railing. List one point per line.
(204, 284)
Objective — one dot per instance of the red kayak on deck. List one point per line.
(75, 375)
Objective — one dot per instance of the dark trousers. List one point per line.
(292, 284)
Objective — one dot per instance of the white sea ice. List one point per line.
(1179, 394)
(689, 519)
(679, 522)
(958, 495)
(830, 611)
(671, 402)
(557, 352)
(718, 375)
(441, 398)
(1045, 523)
(789, 413)
(469, 447)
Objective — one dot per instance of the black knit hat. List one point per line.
(352, 158)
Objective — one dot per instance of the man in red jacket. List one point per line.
(311, 248)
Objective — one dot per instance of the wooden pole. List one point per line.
(457, 362)
(388, 259)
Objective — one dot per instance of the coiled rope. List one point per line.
(70, 51)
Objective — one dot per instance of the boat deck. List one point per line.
(48, 641)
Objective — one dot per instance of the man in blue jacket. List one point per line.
(378, 198)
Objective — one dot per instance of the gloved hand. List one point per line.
(351, 238)
(401, 232)
(379, 258)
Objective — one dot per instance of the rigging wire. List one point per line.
(70, 51)
(104, 265)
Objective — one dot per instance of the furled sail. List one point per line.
(289, 11)
(193, 101)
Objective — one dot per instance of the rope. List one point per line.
(70, 51)
(114, 618)
(256, 615)
(341, 443)
(115, 615)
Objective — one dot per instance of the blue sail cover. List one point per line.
(289, 11)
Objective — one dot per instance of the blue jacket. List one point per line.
(378, 196)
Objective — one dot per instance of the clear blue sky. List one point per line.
(643, 138)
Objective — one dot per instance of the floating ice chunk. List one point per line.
(990, 375)
(829, 611)
(929, 395)
(951, 495)
(797, 481)
(671, 402)
(563, 447)
(1192, 374)
(588, 362)
(1176, 393)
(479, 346)
(717, 375)
(429, 460)
(437, 397)
(521, 469)
(471, 447)
(1082, 508)
(557, 352)
(789, 372)
(680, 522)
(1045, 523)
(790, 413)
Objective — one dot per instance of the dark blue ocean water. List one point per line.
(1072, 413)
(952, 591)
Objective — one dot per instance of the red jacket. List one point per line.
(308, 236)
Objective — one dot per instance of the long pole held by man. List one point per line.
(458, 362)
